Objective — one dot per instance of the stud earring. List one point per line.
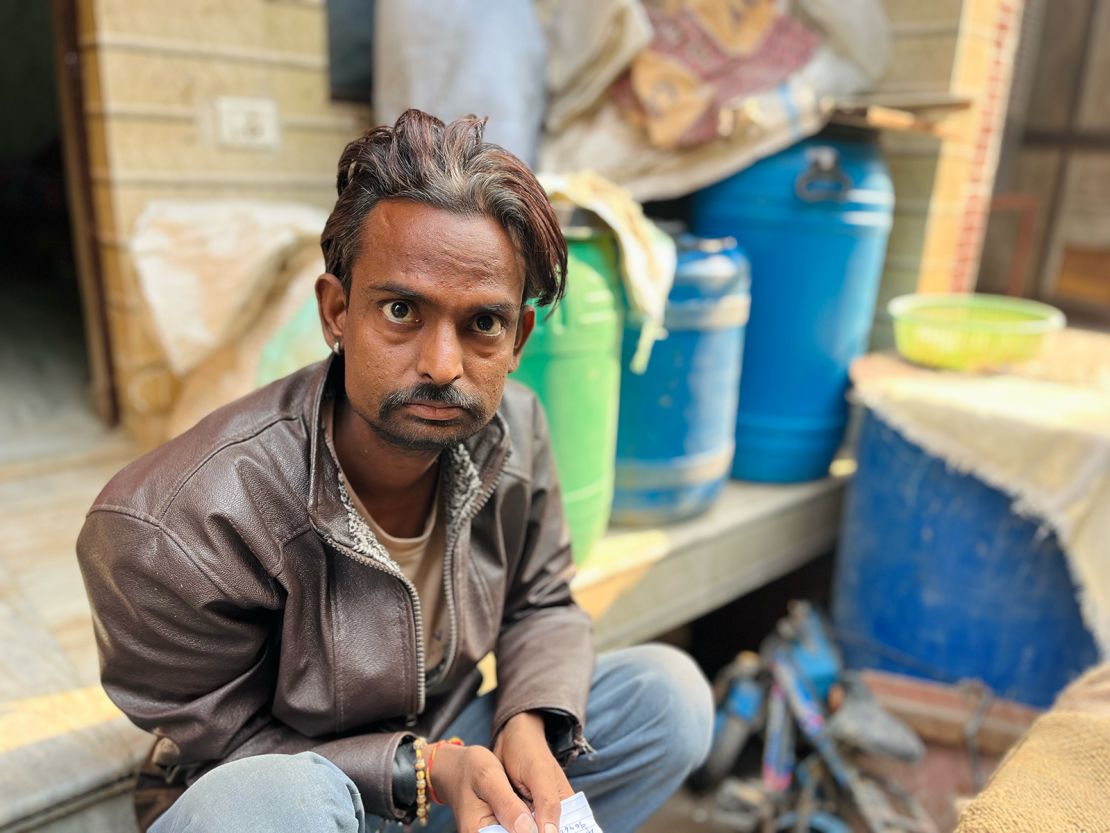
(337, 348)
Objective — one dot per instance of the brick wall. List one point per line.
(988, 123)
(944, 51)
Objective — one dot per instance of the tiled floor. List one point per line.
(44, 507)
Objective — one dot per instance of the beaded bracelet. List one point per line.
(431, 760)
(421, 782)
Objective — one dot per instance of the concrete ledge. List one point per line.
(638, 584)
(108, 809)
(61, 739)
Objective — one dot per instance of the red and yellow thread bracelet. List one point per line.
(431, 760)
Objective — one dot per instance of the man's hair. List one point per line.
(450, 167)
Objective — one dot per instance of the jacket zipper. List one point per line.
(449, 571)
(388, 566)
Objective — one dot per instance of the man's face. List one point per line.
(433, 324)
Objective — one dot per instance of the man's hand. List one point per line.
(472, 782)
(523, 751)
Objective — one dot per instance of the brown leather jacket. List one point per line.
(239, 610)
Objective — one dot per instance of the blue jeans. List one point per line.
(649, 721)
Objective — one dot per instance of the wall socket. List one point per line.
(248, 123)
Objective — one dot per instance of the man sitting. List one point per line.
(293, 595)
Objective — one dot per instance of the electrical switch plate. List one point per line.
(250, 123)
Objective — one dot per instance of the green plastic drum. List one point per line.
(572, 362)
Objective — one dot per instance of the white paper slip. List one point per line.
(575, 816)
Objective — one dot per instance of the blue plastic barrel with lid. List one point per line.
(813, 221)
(675, 429)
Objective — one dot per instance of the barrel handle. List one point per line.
(824, 167)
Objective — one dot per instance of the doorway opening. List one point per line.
(54, 367)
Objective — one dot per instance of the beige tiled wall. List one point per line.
(152, 72)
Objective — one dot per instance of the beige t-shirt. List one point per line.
(420, 559)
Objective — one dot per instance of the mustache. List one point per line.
(426, 393)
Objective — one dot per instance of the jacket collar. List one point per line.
(472, 467)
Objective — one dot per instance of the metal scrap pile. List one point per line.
(817, 721)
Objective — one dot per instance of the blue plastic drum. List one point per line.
(937, 577)
(675, 432)
(813, 220)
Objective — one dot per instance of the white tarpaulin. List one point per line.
(207, 268)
